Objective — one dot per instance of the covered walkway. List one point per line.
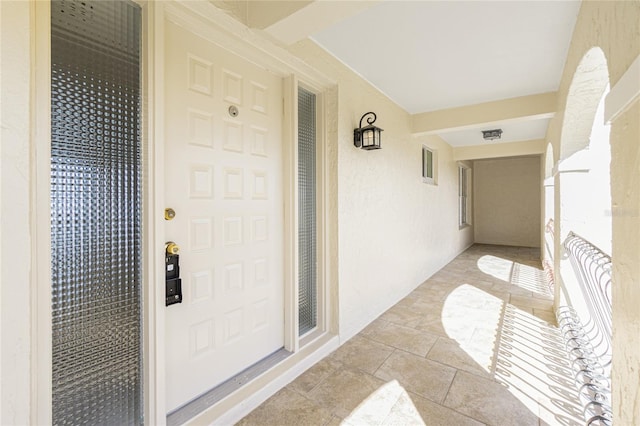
(474, 344)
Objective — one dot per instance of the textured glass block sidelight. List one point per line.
(96, 213)
(307, 261)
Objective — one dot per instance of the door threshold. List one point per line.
(208, 399)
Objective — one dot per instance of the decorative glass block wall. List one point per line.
(307, 261)
(96, 212)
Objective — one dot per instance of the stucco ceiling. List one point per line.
(435, 55)
(430, 55)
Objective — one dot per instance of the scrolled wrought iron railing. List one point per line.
(588, 339)
(593, 270)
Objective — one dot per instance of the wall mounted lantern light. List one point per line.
(367, 137)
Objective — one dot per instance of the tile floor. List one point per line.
(474, 344)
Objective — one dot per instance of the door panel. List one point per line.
(223, 177)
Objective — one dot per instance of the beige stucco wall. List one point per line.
(614, 27)
(394, 230)
(506, 193)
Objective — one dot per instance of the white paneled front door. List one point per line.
(223, 178)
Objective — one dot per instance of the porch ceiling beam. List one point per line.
(509, 149)
(314, 17)
(532, 107)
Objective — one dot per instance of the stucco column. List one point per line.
(625, 198)
(570, 210)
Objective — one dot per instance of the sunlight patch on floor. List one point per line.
(471, 317)
(495, 266)
(390, 404)
(522, 352)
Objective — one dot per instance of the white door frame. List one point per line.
(212, 24)
(153, 201)
(41, 313)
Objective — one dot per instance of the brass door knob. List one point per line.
(171, 248)
(169, 213)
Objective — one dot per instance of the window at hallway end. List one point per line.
(429, 165)
(464, 204)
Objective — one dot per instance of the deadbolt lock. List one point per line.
(169, 213)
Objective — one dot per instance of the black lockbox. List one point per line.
(173, 281)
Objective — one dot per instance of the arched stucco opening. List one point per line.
(598, 180)
(589, 83)
(585, 155)
(582, 198)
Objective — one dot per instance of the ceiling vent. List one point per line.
(490, 135)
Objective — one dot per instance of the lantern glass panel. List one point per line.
(368, 137)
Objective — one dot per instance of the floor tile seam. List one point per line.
(429, 298)
(309, 398)
(571, 403)
(528, 299)
(546, 294)
(432, 360)
(394, 405)
(382, 363)
(525, 339)
(432, 346)
(315, 403)
(331, 410)
(375, 341)
(331, 418)
(525, 330)
(396, 348)
(354, 368)
(550, 312)
(536, 321)
(526, 307)
(540, 388)
(544, 355)
(446, 394)
(324, 378)
(509, 386)
(523, 392)
(487, 375)
(574, 404)
(529, 364)
(413, 394)
(302, 393)
(422, 332)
